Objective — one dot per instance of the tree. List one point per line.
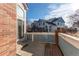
(75, 18)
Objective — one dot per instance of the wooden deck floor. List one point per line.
(52, 50)
(38, 49)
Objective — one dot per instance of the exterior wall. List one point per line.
(69, 45)
(53, 28)
(21, 17)
(7, 29)
(60, 22)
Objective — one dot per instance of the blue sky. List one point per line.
(39, 10)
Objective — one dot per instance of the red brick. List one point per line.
(7, 29)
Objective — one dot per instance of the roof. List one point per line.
(55, 19)
(41, 20)
(51, 23)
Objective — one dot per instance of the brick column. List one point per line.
(7, 29)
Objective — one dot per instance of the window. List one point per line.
(43, 23)
(20, 29)
(20, 21)
(58, 23)
(39, 23)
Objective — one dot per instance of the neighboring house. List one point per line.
(39, 25)
(49, 25)
(59, 22)
(21, 21)
(55, 23)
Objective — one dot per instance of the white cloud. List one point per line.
(64, 10)
(53, 6)
(75, 6)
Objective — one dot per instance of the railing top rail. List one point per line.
(41, 33)
(74, 41)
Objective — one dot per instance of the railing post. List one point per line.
(32, 38)
(56, 37)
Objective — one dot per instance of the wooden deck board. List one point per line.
(52, 50)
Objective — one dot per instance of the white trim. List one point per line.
(41, 33)
(75, 38)
(21, 18)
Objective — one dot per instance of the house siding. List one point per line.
(21, 11)
(7, 29)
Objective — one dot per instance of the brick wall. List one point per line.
(7, 29)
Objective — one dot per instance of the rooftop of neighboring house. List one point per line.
(56, 19)
(53, 20)
(42, 20)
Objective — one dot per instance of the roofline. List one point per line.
(58, 19)
(25, 6)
